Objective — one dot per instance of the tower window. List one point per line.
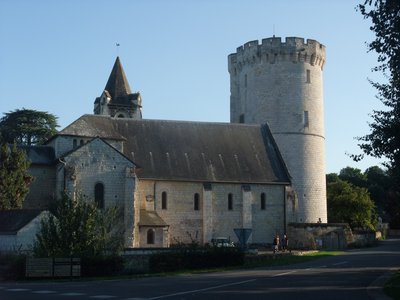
(230, 201)
(262, 201)
(164, 200)
(75, 143)
(306, 120)
(150, 236)
(99, 195)
(196, 201)
(245, 80)
(308, 78)
(241, 118)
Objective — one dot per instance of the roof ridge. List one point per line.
(173, 121)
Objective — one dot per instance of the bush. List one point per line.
(13, 266)
(196, 259)
(102, 266)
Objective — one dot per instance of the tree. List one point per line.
(350, 204)
(354, 176)
(14, 177)
(27, 127)
(78, 228)
(384, 137)
(331, 177)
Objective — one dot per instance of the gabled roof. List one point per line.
(192, 151)
(101, 141)
(95, 128)
(117, 85)
(151, 218)
(11, 221)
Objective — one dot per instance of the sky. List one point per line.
(56, 56)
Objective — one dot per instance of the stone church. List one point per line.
(185, 181)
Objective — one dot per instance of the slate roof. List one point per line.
(151, 218)
(117, 87)
(11, 221)
(191, 151)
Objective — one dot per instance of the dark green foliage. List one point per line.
(331, 177)
(380, 188)
(392, 286)
(350, 204)
(14, 177)
(12, 266)
(102, 266)
(78, 228)
(384, 137)
(196, 259)
(354, 176)
(27, 127)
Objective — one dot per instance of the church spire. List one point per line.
(117, 99)
(117, 84)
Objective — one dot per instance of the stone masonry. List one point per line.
(280, 83)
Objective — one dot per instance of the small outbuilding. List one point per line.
(18, 228)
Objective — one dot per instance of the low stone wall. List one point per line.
(363, 238)
(316, 236)
(394, 232)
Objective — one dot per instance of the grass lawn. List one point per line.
(281, 260)
(392, 287)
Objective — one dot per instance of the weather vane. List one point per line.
(117, 46)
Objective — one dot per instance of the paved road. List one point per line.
(354, 275)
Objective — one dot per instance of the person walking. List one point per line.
(285, 243)
(276, 243)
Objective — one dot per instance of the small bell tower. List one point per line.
(117, 99)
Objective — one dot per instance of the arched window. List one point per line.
(164, 200)
(150, 236)
(196, 202)
(263, 201)
(74, 143)
(99, 195)
(230, 201)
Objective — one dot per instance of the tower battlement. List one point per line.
(272, 50)
(281, 82)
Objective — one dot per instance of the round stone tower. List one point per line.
(280, 83)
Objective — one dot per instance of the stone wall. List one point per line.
(319, 236)
(214, 218)
(96, 162)
(42, 190)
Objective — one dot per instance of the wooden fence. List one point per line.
(52, 267)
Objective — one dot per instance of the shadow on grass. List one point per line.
(392, 287)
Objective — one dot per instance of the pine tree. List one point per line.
(14, 177)
(27, 127)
